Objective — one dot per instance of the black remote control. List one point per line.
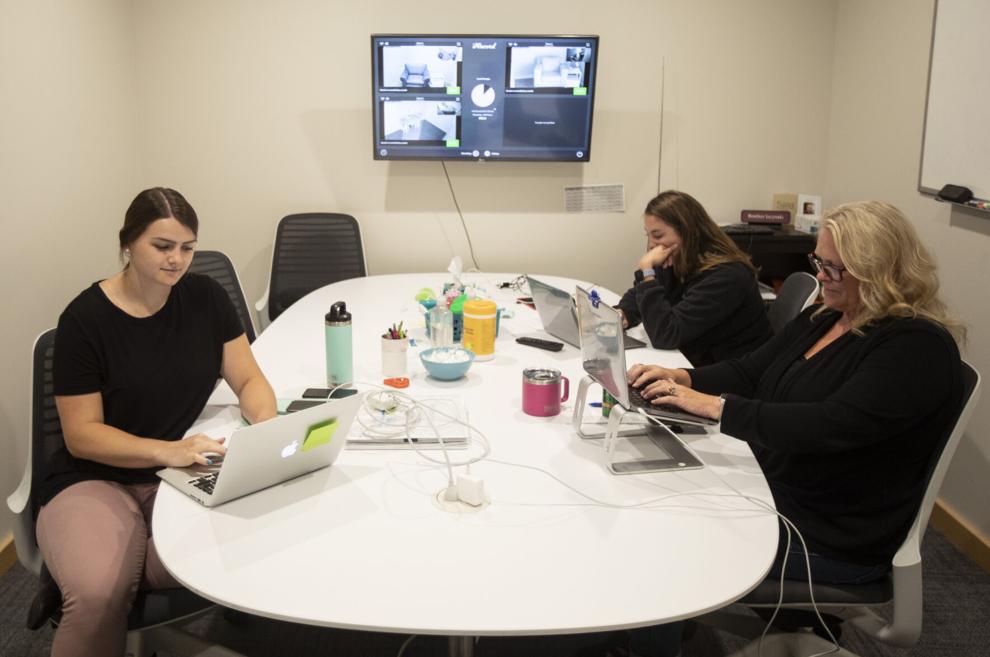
(549, 345)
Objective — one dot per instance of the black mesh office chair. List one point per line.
(900, 593)
(799, 290)
(218, 266)
(312, 249)
(152, 610)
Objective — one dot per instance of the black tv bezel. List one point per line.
(420, 158)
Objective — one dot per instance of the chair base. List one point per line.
(170, 641)
(797, 644)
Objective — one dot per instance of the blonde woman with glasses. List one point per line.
(832, 406)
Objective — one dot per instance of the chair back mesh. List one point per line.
(312, 250)
(46, 429)
(218, 266)
(792, 298)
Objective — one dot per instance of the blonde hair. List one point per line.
(896, 274)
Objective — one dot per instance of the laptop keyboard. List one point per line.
(206, 482)
(637, 400)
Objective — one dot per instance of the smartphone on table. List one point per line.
(324, 393)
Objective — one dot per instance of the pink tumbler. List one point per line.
(541, 391)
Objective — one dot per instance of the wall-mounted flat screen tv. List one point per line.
(483, 97)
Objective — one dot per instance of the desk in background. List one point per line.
(363, 544)
(778, 254)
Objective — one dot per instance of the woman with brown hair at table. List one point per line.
(694, 290)
(136, 357)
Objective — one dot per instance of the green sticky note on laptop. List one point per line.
(320, 434)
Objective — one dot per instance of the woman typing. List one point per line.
(844, 407)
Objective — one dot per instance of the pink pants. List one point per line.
(95, 537)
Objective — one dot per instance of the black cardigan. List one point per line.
(714, 315)
(844, 438)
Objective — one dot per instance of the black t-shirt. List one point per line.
(846, 437)
(154, 373)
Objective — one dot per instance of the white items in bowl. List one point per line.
(448, 356)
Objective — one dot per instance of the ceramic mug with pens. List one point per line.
(395, 349)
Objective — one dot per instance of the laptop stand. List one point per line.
(659, 448)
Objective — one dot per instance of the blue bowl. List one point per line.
(446, 371)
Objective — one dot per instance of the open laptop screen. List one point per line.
(556, 310)
(602, 351)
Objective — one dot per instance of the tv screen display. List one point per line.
(483, 97)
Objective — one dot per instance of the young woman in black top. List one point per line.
(695, 290)
(828, 405)
(136, 358)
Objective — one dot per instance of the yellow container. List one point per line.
(479, 328)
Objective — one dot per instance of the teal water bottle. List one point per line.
(340, 363)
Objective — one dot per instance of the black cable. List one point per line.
(461, 215)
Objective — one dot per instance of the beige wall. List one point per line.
(68, 161)
(270, 114)
(258, 109)
(878, 105)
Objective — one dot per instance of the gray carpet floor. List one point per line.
(956, 612)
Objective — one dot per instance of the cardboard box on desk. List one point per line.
(785, 201)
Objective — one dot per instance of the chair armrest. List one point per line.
(24, 538)
(19, 499)
(904, 629)
(261, 307)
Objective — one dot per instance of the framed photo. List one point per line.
(808, 205)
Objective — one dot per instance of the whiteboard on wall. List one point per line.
(956, 146)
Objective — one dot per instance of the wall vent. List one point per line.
(595, 198)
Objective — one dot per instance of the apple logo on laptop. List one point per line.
(290, 449)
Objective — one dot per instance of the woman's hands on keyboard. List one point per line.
(189, 450)
(661, 385)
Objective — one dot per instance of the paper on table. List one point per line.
(377, 430)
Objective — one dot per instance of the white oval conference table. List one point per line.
(364, 544)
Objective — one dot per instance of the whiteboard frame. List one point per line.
(924, 123)
(979, 202)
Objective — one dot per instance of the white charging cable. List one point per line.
(450, 493)
(736, 494)
(788, 527)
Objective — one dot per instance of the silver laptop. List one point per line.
(559, 317)
(603, 357)
(271, 452)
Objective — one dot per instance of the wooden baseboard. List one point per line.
(961, 534)
(8, 557)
